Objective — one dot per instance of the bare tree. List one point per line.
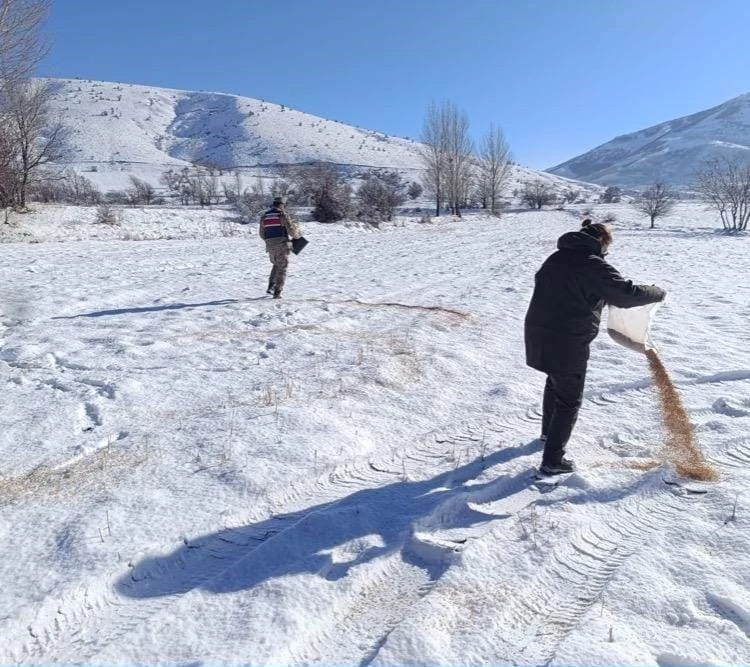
(434, 152)
(571, 196)
(197, 185)
(8, 168)
(22, 45)
(36, 139)
(536, 194)
(203, 185)
(725, 185)
(494, 167)
(656, 201)
(177, 184)
(459, 157)
(142, 192)
(611, 195)
(447, 155)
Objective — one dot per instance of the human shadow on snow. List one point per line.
(154, 309)
(331, 538)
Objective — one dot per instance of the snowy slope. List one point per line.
(670, 151)
(122, 129)
(193, 473)
(157, 125)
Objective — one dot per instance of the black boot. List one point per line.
(271, 286)
(565, 466)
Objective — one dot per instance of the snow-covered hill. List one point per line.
(122, 129)
(671, 151)
(126, 123)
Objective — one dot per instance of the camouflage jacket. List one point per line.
(276, 226)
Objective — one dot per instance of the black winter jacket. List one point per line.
(570, 291)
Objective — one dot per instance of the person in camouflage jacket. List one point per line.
(276, 228)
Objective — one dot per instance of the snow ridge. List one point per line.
(120, 129)
(671, 151)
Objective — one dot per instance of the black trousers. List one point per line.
(563, 394)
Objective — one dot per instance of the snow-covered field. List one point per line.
(194, 473)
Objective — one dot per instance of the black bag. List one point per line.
(298, 244)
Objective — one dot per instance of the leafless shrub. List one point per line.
(141, 192)
(536, 194)
(68, 187)
(322, 186)
(725, 185)
(571, 196)
(379, 195)
(415, 190)
(655, 202)
(107, 215)
(251, 203)
(196, 185)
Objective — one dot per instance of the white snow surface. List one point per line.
(193, 473)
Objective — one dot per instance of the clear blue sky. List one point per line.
(558, 76)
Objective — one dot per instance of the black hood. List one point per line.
(580, 242)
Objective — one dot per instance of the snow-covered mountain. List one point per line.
(671, 151)
(120, 129)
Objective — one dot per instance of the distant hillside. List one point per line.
(670, 151)
(119, 130)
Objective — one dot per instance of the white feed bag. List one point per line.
(630, 326)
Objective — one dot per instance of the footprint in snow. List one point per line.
(723, 407)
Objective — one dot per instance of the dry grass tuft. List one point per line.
(681, 448)
(98, 470)
(645, 464)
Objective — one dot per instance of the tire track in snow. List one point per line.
(440, 449)
(358, 627)
(77, 625)
(532, 621)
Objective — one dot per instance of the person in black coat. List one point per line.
(570, 291)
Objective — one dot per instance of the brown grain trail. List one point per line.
(681, 448)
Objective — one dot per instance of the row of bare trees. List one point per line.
(454, 169)
(724, 184)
